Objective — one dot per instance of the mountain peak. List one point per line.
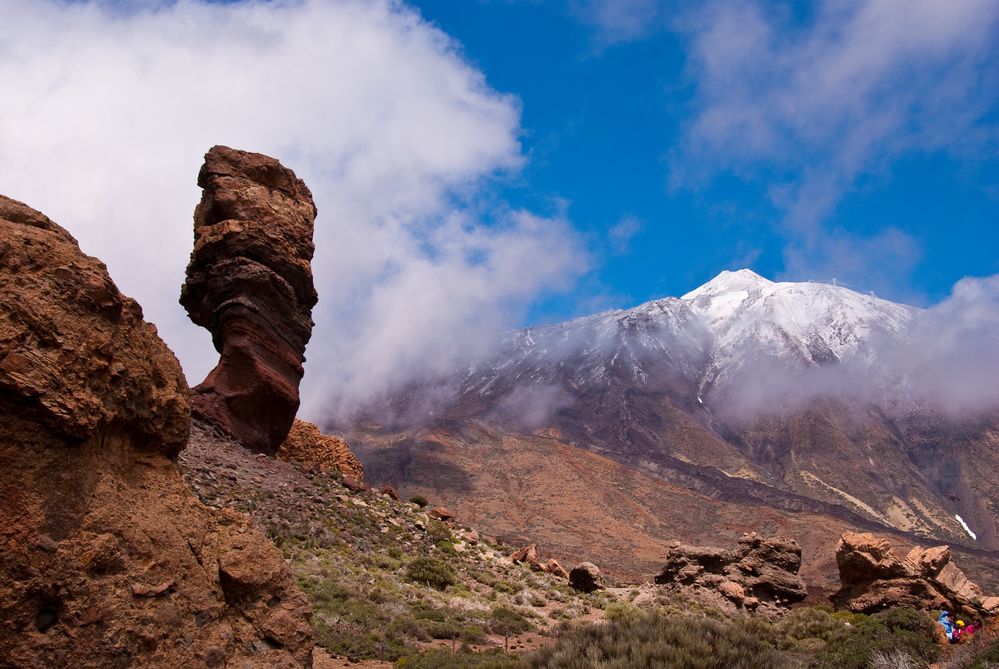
(728, 281)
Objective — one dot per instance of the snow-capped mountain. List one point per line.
(721, 333)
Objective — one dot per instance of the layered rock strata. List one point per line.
(107, 558)
(760, 574)
(308, 447)
(249, 282)
(874, 577)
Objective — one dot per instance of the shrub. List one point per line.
(430, 571)
(981, 653)
(641, 639)
(438, 532)
(461, 660)
(508, 622)
(419, 500)
(811, 623)
(903, 630)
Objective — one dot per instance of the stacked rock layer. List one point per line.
(249, 282)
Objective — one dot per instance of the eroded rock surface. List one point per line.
(874, 577)
(107, 558)
(760, 574)
(308, 447)
(249, 282)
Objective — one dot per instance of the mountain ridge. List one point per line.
(758, 393)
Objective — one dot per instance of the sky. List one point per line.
(486, 164)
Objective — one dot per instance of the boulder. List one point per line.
(862, 557)
(529, 555)
(108, 559)
(441, 513)
(873, 577)
(761, 571)
(249, 282)
(585, 577)
(310, 448)
(555, 569)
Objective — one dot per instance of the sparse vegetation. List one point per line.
(430, 571)
(888, 633)
(419, 500)
(982, 652)
(651, 639)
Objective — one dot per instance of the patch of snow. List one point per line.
(966, 528)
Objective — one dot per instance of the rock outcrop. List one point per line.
(107, 558)
(760, 574)
(249, 283)
(585, 577)
(874, 577)
(529, 555)
(308, 447)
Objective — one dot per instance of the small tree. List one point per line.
(507, 622)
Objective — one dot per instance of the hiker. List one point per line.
(962, 631)
(946, 620)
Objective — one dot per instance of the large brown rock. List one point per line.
(107, 558)
(249, 282)
(874, 577)
(761, 571)
(585, 577)
(308, 447)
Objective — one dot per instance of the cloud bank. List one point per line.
(107, 114)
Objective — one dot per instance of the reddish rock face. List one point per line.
(107, 558)
(760, 573)
(249, 282)
(874, 577)
(308, 447)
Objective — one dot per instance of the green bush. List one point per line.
(419, 500)
(430, 571)
(641, 639)
(815, 626)
(911, 632)
(461, 660)
(438, 532)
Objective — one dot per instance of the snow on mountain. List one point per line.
(719, 333)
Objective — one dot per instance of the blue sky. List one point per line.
(607, 111)
(479, 165)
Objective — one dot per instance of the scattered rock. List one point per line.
(555, 569)
(310, 448)
(354, 485)
(873, 577)
(585, 577)
(249, 282)
(96, 523)
(391, 492)
(763, 572)
(529, 555)
(441, 513)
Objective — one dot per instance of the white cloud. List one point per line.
(621, 233)
(620, 20)
(814, 105)
(106, 115)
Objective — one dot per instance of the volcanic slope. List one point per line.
(762, 397)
